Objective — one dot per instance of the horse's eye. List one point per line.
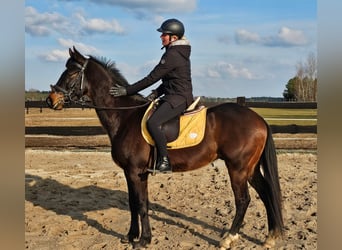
(72, 73)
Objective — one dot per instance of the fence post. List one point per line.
(27, 107)
(241, 100)
(41, 105)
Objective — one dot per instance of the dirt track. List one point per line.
(77, 199)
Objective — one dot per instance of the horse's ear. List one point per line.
(71, 53)
(77, 54)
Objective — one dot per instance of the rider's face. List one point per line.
(166, 39)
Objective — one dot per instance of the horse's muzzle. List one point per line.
(55, 100)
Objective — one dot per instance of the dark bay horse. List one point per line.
(235, 134)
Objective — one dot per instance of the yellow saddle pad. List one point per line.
(191, 130)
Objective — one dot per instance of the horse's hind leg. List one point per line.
(239, 185)
(259, 183)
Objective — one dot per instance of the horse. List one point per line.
(233, 133)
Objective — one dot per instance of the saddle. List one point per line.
(181, 132)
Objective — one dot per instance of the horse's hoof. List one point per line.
(138, 245)
(228, 240)
(127, 239)
(273, 240)
(270, 242)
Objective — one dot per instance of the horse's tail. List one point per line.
(270, 169)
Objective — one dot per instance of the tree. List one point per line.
(303, 87)
(290, 93)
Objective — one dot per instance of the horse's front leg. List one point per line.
(133, 232)
(138, 202)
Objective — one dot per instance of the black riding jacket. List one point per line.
(175, 72)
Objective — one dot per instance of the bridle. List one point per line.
(78, 81)
(78, 85)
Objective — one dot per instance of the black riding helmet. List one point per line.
(172, 27)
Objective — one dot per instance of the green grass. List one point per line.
(290, 116)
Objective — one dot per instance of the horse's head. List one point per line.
(71, 84)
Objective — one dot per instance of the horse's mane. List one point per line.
(115, 74)
(111, 69)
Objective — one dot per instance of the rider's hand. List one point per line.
(117, 90)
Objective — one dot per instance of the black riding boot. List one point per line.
(163, 165)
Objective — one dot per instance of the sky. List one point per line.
(238, 47)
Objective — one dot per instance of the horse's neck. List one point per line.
(112, 119)
(116, 120)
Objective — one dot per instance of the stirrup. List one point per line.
(164, 165)
(155, 170)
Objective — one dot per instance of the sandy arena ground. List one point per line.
(77, 199)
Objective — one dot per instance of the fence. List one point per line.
(42, 104)
(293, 128)
(240, 100)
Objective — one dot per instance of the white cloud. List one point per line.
(158, 19)
(133, 73)
(155, 6)
(83, 48)
(292, 37)
(286, 37)
(244, 36)
(213, 73)
(97, 25)
(55, 56)
(47, 23)
(234, 71)
(224, 68)
(42, 24)
(61, 55)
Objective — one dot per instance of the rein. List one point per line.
(84, 104)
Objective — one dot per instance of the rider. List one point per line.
(174, 70)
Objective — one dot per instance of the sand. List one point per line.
(77, 199)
